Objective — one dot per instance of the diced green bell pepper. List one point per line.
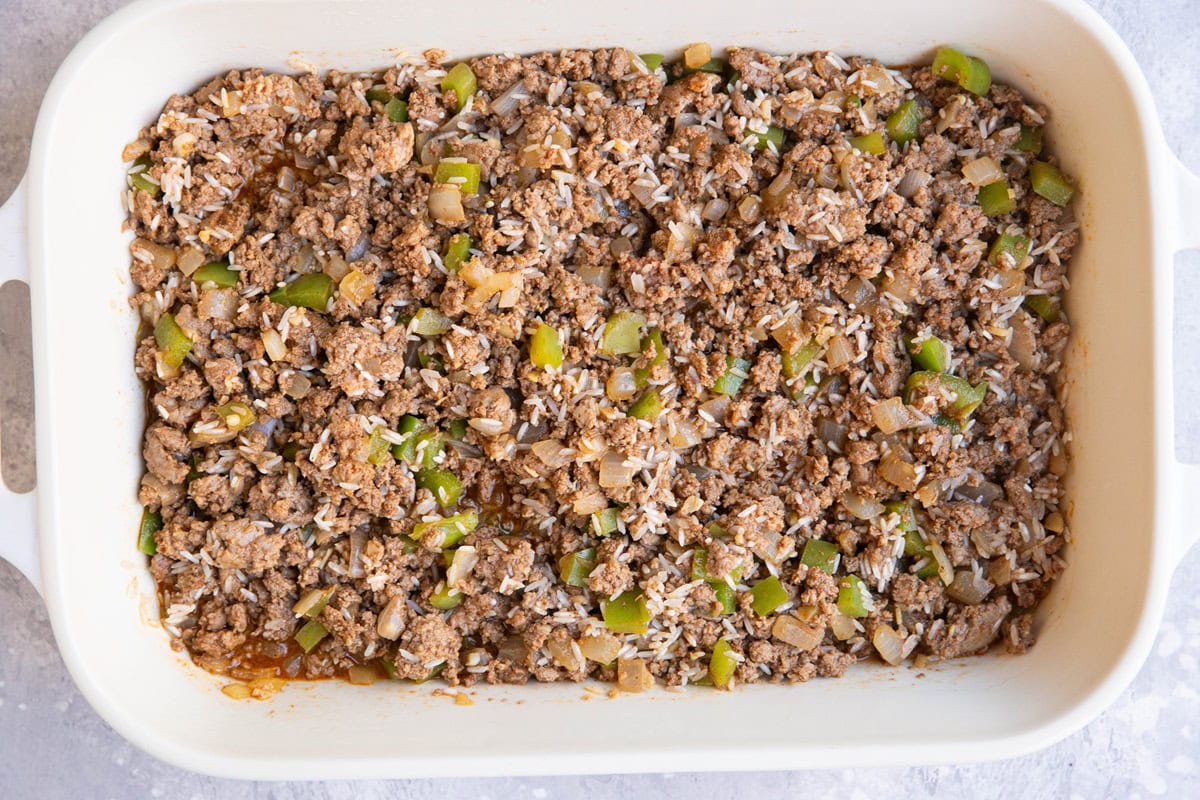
(933, 354)
(605, 521)
(623, 334)
(574, 568)
(151, 524)
(430, 322)
(736, 372)
(444, 598)
(172, 342)
(972, 74)
(1013, 245)
(768, 595)
(649, 406)
(821, 554)
(545, 349)
(458, 251)
(626, 613)
(773, 136)
(722, 665)
(447, 532)
(1051, 184)
(995, 199)
(217, 273)
(311, 635)
(379, 451)
(396, 110)
(460, 173)
(1043, 305)
(311, 291)
(652, 60)
(460, 80)
(1030, 140)
(854, 598)
(870, 143)
(443, 484)
(139, 177)
(902, 125)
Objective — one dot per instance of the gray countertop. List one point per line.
(1148, 744)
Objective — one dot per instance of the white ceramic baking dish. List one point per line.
(1138, 206)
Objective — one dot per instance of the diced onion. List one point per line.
(298, 386)
(189, 259)
(615, 472)
(840, 352)
(843, 627)
(1023, 345)
(891, 646)
(778, 190)
(563, 653)
(864, 508)
(513, 649)
(445, 204)
(912, 182)
(982, 171)
(621, 384)
(945, 568)
(898, 472)
(358, 538)
(362, 675)
(831, 432)
(160, 255)
(507, 101)
(633, 676)
(715, 209)
(589, 503)
(600, 647)
(858, 292)
(465, 559)
(697, 55)
(273, 344)
(552, 453)
(595, 275)
(799, 634)
(749, 208)
(892, 415)
(684, 433)
(391, 618)
(968, 588)
(219, 304)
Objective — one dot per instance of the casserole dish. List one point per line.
(1095, 628)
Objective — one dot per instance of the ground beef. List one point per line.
(682, 355)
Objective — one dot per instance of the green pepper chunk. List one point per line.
(430, 322)
(652, 60)
(606, 521)
(768, 595)
(311, 635)
(995, 199)
(290, 451)
(151, 524)
(854, 598)
(396, 110)
(821, 554)
(545, 349)
(445, 533)
(623, 334)
(726, 596)
(700, 564)
(458, 251)
(870, 143)
(1009, 246)
(173, 343)
(715, 66)
(458, 172)
(773, 136)
(972, 74)
(311, 290)
(626, 613)
(853, 101)
(722, 665)
(411, 545)
(457, 428)
(378, 94)
(379, 451)
(966, 397)
(1043, 305)
(217, 273)
(915, 548)
(654, 338)
(389, 668)
(902, 125)
(933, 354)
(736, 372)
(1030, 140)
(1051, 184)
(414, 433)
(947, 422)
(904, 511)
(649, 406)
(795, 361)
(139, 177)
(443, 484)
(444, 598)
(460, 80)
(574, 568)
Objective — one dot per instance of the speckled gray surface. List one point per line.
(53, 745)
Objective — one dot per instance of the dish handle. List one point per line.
(18, 529)
(1187, 237)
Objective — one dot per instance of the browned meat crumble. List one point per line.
(605, 188)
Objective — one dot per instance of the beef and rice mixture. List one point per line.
(585, 364)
